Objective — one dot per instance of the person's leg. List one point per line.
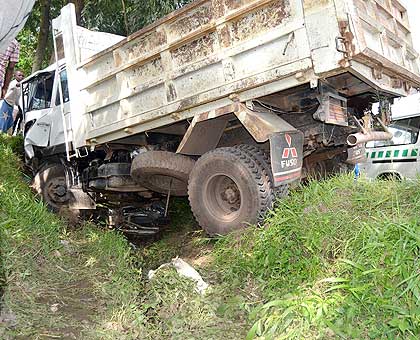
(6, 116)
(17, 122)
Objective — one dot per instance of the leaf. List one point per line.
(353, 264)
(253, 331)
(274, 303)
(408, 278)
(6, 222)
(343, 286)
(370, 271)
(334, 280)
(401, 324)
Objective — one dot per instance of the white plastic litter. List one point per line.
(183, 269)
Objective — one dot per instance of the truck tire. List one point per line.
(50, 184)
(161, 170)
(228, 190)
(264, 161)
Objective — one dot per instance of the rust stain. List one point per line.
(195, 50)
(396, 83)
(224, 36)
(200, 17)
(260, 20)
(141, 46)
(146, 72)
(218, 8)
(117, 59)
(349, 45)
(188, 102)
(171, 94)
(316, 4)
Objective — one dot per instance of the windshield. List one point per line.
(37, 92)
(405, 131)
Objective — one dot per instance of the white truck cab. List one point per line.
(43, 107)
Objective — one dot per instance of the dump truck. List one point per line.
(227, 102)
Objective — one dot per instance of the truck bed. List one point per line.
(211, 53)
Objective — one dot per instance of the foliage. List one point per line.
(28, 37)
(126, 16)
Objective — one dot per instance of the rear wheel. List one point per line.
(263, 160)
(227, 190)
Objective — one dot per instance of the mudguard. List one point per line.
(286, 150)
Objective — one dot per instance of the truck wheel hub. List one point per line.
(223, 197)
(57, 190)
(231, 195)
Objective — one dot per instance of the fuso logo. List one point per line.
(290, 151)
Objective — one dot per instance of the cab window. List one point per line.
(38, 91)
(64, 87)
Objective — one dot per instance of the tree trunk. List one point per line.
(79, 4)
(44, 29)
(127, 31)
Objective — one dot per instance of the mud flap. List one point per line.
(286, 150)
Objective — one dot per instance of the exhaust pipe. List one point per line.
(358, 138)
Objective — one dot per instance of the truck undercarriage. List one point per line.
(227, 103)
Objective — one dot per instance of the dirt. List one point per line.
(66, 311)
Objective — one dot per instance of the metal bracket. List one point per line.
(339, 42)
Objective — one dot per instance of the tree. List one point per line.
(143, 13)
(125, 17)
(44, 29)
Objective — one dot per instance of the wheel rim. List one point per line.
(223, 197)
(56, 193)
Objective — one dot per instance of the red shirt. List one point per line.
(11, 55)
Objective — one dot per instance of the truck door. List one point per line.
(61, 111)
(38, 92)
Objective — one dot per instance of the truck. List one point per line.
(398, 158)
(227, 102)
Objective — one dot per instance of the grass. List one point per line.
(56, 281)
(336, 260)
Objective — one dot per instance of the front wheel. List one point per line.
(228, 190)
(50, 184)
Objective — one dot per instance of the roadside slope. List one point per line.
(56, 282)
(337, 259)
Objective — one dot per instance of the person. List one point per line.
(10, 100)
(8, 60)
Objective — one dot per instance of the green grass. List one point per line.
(335, 260)
(56, 281)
